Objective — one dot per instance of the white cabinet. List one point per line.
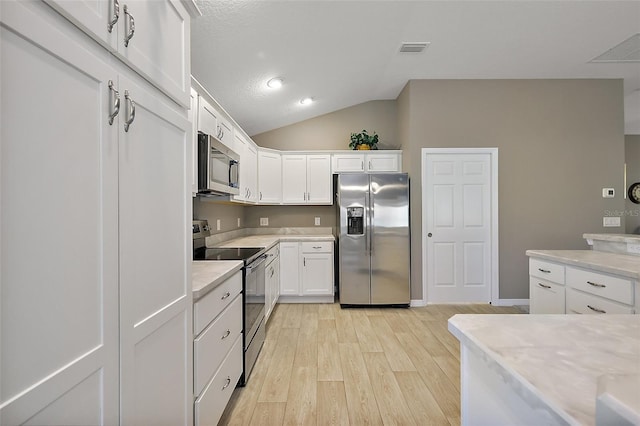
(212, 121)
(217, 349)
(269, 177)
(109, 301)
(306, 179)
(193, 118)
(593, 292)
(134, 31)
(272, 280)
(371, 162)
(546, 287)
(306, 272)
(248, 169)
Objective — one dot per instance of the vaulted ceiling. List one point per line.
(342, 53)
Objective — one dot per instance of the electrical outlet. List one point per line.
(608, 192)
(609, 221)
(238, 222)
(264, 221)
(217, 224)
(633, 248)
(317, 221)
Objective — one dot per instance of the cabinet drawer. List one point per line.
(615, 288)
(317, 247)
(210, 348)
(211, 404)
(207, 308)
(579, 302)
(546, 297)
(546, 270)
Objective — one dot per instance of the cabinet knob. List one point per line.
(429, 235)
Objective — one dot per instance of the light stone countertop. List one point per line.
(208, 274)
(619, 264)
(554, 361)
(267, 241)
(617, 238)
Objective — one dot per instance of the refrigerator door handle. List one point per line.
(371, 216)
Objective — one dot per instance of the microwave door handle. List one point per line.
(233, 163)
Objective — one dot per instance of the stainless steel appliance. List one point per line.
(218, 167)
(253, 296)
(373, 239)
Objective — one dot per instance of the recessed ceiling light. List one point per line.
(275, 83)
(306, 101)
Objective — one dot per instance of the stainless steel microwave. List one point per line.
(218, 167)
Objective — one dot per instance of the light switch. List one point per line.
(317, 221)
(264, 221)
(217, 224)
(238, 222)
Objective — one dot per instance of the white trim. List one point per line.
(511, 302)
(417, 303)
(495, 264)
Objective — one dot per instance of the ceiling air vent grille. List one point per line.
(413, 47)
(627, 51)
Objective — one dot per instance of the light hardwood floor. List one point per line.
(323, 365)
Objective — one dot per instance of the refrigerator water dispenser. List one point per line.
(355, 220)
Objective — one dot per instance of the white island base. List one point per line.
(542, 369)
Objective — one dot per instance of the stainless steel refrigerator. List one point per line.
(373, 239)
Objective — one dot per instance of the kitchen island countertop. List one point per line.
(612, 263)
(553, 362)
(208, 274)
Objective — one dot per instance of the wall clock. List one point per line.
(634, 192)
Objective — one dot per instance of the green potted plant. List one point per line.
(364, 140)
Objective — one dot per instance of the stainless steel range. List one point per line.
(253, 280)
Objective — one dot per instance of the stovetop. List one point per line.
(246, 254)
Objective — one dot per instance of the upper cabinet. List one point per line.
(370, 162)
(306, 179)
(134, 30)
(248, 169)
(269, 176)
(212, 121)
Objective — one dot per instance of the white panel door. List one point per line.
(58, 226)
(458, 227)
(155, 293)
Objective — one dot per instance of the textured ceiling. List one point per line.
(343, 53)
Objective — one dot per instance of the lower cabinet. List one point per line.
(272, 281)
(217, 349)
(306, 272)
(559, 288)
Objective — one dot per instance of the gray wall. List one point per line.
(632, 158)
(560, 142)
(332, 131)
(228, 214)
(291, 216)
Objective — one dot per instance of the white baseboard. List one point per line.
(417, 303)
(511, 302)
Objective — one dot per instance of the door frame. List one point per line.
(495, 272)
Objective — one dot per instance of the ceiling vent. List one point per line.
(414, 47)
(627, 51)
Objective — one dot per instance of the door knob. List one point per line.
(429, 235)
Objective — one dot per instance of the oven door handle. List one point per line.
(256, 263)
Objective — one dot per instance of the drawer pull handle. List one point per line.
(317, 247)
(546, 271)
(596, 284)
(227, 294)
(600, 311)
(544, 286)
(226, 334)
(227, 383)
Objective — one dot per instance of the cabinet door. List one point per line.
(156, 338)
(207, 117)
(319, 179)
(345, 163)
(251, 168)
(158, 23)
(93, 17)
(193, 118)
(275, 294)
(225, 132)
(546, 297)
(269, 177)
(289, 271)
(268, 290)
(59, 257)
(294, 179)
(317, 274)
(382, 163)
(240, 147)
